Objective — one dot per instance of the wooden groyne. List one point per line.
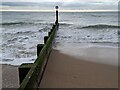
(30, 74)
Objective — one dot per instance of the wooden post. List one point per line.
(51, 30)
(23, 70)
(53, 26)
(49, 33)
(45, 39)
(39, 48)
(56, 15)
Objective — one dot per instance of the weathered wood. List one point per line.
(39, 48)
(32, 76)
(49, 33)
(23, 70)
(45, 39)
(53, 27)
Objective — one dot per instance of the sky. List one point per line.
(70, 5)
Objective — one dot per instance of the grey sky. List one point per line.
(64, 4)
(59, 0)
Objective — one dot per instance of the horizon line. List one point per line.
(13, 10)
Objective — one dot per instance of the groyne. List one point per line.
(30, 74)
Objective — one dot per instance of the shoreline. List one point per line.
(72, 60)
(99, 53)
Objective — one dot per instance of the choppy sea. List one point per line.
(22, 31)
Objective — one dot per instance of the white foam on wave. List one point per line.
(19, 61)
(20, 39)
(72, 34)
(20, 44)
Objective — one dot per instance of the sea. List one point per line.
(22, 31)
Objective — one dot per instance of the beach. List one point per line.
(67, 71)
(9, 76)
(0, 76)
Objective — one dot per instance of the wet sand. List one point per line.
(9, 76)
(65, 71)
(0, 77)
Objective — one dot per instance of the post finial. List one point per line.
(56, 7)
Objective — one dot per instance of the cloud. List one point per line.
(63, 4)
(60, 0)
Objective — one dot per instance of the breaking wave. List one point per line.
(23, 23)
(101, 26)
(15, 23)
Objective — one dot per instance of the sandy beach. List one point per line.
(9, 76)
(0, 77)
(90, 68)
(67, 71)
